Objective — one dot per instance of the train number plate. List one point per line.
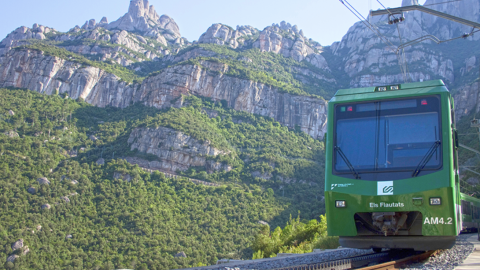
(438, 220)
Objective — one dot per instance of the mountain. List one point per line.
(129, 108)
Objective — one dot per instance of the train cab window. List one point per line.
(388, 136)
(466, 208)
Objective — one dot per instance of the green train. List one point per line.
(391, 168)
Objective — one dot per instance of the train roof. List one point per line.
(389, 91)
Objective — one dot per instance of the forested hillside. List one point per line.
(72, 211)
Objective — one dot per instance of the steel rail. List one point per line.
(398, 264)
(340, 264)
(426, 10)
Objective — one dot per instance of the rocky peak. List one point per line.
(225, 35)
(91, 24)
(17, 37)
(290, 41)
(142, 17)
(141, 8)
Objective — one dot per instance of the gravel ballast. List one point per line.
(448, 258)
(308, 258)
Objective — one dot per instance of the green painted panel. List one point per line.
(437, 219)
(352, 91)
(417, 87)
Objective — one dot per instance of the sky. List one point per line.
(325, 21)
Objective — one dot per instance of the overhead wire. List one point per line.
(402, 59)
(367, 24)
(432, 38)
(376, 31)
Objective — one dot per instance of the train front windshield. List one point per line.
(387, 136)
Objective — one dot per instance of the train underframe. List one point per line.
(393, 230)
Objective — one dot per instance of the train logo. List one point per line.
(388, 189)
(385, 188)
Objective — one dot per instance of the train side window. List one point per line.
(476, 213)
(466, 209)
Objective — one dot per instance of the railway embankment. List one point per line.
(289, 261)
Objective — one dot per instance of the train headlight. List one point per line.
(340, 204)
(435, 201)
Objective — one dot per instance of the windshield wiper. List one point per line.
(426, 158)
(347, 162)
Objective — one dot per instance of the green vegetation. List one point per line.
(263, 154)
(296, 237)
(122, 72)
(143, 223)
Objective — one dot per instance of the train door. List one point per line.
(455, 166)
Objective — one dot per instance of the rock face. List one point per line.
(17, 245)
(241, 94)
(45, 74)
(369, 61)
(280, 39)
(65, 199)
(12, 258)
(142, 17)
(224, 35)
(290, 42)
(124, 177)
(15, 38)
(117, 45)
(46, 206)
(11, 134)
(181, 254)
(101, 161)
(466, 99)
(444, 29)
(43, 181)
(31, 190)
(175, 150)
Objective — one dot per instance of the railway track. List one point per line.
(380, 261)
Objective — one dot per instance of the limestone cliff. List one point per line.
(174, 150)
(45, 74)
(33, 70)
(208, 80)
